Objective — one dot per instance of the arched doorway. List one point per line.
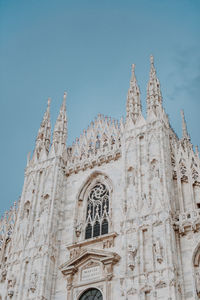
(91, 294)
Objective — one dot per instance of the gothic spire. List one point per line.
(133, 105)
(60, 129)
(185, 134)
(44, 132)
(154, 98)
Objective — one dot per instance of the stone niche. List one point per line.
(90, 268)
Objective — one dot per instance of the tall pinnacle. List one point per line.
(133, 105)
(60, 129)
(185, 134)
(44, 133)
(154, 98)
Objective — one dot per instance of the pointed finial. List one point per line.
(133, 105)
(152, 69)
(184, 126)
(132, 72)
(154, 97)
(64, 100)
(151, 59)
(60, 129)
(44, 133)
(65, 95)
(48, 105)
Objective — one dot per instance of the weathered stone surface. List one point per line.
(118, 211)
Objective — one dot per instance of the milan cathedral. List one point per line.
(116, 215)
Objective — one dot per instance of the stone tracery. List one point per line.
(97, 218)
(101, 140)
(145, 166)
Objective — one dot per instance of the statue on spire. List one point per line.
(133, 105)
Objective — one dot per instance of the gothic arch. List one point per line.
(97, 180)
(87, 183)
(93, 292)
(196, 270)
(153, 147)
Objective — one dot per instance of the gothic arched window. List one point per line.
(97, 216)
(197, 271)
(91, 294)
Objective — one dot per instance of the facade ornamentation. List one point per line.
(11, 285)
(158, 251)
(78, 229)
(3, 274)
(132, 251)
(116, 214)
(197, 275)
(33, 281)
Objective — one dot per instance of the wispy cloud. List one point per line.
(186, 75)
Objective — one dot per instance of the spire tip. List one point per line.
(49, 101)
(132, 72)
(182, 113)
(184, 126)
(151, 59)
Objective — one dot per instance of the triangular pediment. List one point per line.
(89, 255)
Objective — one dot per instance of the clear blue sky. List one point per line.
(86, 48)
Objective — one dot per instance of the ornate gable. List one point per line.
(91, 265)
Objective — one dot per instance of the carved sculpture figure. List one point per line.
(3, 274)
(78, 229)
(198, 282)
(154, 168)
(158, 251)
(138, 214)
(11, 285)
(132, 251)
(33, 281)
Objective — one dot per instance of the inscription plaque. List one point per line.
(91, 273)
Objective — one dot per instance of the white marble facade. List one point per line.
(116, 215)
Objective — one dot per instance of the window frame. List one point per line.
(102, 216)
(82, 197)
